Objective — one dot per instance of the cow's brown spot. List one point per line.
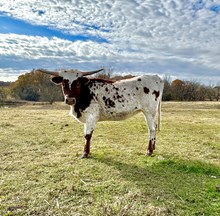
(156, 93)
(108, 102)
(106, 89)
(94, 95)
(120, 98)
(82, 95)
(137, 88)
(146, 90)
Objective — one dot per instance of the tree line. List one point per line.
(33, 86)
(36, 86)
(179, 90)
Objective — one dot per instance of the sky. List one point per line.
(177, 39)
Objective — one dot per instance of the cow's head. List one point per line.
(71, 81)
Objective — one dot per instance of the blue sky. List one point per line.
(176, 38)
(13, 25)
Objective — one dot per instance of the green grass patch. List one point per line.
(41, 172)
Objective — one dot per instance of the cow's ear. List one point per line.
(57, 80)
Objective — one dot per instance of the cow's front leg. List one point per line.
(87, 145)
(88, 130)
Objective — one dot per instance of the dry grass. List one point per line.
(41, 172)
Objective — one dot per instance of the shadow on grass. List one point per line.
(193, 167)
(191, 185)
(160, 167)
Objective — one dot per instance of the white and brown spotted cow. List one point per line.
(92, 100)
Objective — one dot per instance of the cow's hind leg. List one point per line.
(152, 132)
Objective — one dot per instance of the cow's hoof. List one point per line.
(84, 155)
(149, 153)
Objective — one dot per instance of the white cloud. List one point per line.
(174, 36)
(10, 74)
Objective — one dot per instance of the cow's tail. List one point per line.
(159, 115)
(159, 105)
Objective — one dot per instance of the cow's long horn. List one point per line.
(53, 73)
(86, 73)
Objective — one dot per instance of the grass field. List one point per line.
(41, 172)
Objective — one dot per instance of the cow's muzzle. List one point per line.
(70, 101)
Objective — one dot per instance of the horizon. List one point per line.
(164, 77)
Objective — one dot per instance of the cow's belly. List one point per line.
(106, 114)
(112, 115)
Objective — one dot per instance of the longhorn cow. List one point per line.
(92, 100)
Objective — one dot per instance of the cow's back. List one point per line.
(122, 99)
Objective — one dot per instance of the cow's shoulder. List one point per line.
(83, 100)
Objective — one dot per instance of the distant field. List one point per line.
(41, 172)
